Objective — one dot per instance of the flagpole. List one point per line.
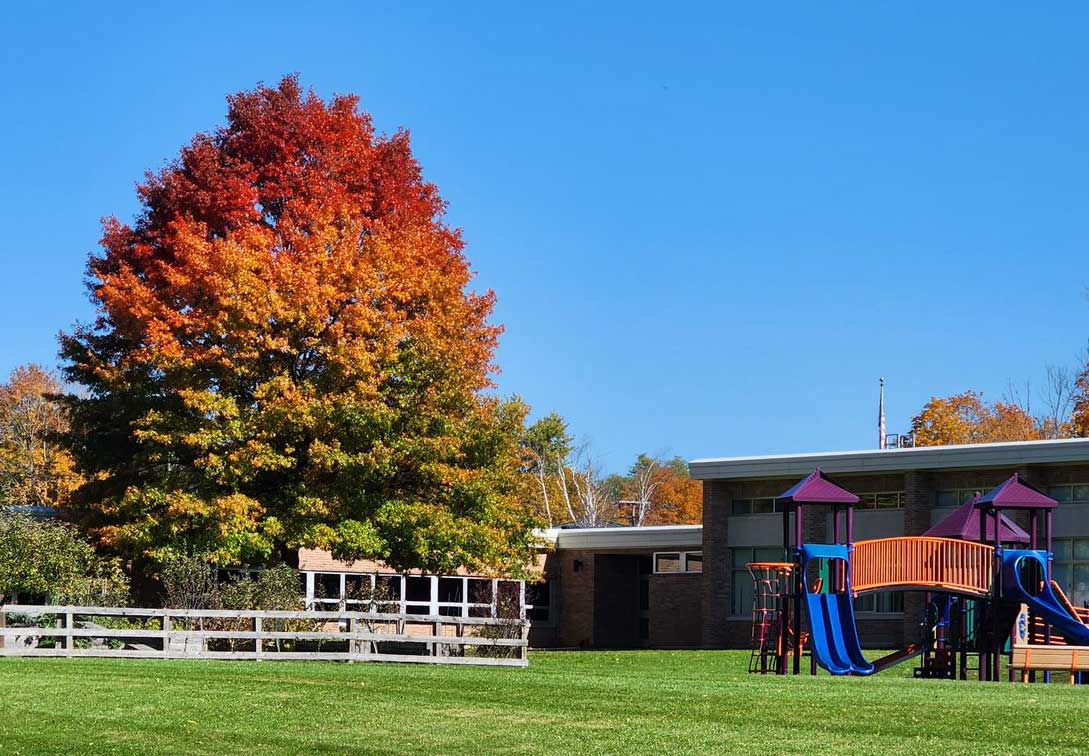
(881, 444)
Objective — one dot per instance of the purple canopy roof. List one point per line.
(817, 488)
(963, 523)
(1016, 494)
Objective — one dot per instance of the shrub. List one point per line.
(189, 583)
(49, 559)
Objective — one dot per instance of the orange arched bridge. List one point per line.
(925, 563)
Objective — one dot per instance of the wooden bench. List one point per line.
(1070, 659)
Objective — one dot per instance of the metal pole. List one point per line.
(983, 607)
(996, 639)
(799, 588)
(798, 514)
(1047, 579)
(786, 533)
(833, 576)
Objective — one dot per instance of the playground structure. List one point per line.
(987, 586)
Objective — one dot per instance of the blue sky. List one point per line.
(710, 227)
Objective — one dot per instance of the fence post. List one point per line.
(166, 634)
(438, 634)
(353, 644)
(3, 624)
(258, 643)
(69, 640)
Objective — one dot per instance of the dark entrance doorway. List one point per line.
(618, 613)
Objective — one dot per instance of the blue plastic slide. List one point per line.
(833, 634)
(1017, 562)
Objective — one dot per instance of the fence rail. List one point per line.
(922, 562)
(70, 631)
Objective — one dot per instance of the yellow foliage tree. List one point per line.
(967, 419)
(34, 470)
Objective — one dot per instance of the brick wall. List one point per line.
(675, 610)
(576, 599)
(717, 565)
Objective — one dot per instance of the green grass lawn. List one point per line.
(588, 702)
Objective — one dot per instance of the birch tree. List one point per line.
(645, 480)
(548, 445)
(585, 495)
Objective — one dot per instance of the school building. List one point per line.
(687, 586)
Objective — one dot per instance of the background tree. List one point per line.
(287, 354)
(588, 498)
(548, 444)
(645, 476)
(1060, 390)
(660, 491)
(967, 419)
(1079, 418)
(679, 499)
(34, 469)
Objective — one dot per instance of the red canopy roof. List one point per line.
(963, 523)
(817, 488)
(1016, 494)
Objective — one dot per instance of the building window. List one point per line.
(539, 602)
(954, 497)
(446, 595)
(666, 562)
(1070, 494)
(881, 500)
(871, 500)
(693, 561)
(388, 587)
(1070, 569)
(741, 580)
(755, 506)
(889, 602)
(328, 587)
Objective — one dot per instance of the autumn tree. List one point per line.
(287, 353)
(1079, 418)
(967, 419)
(34, 468)
(660, 491)
(679, 498)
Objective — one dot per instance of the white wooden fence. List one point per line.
(71, 631)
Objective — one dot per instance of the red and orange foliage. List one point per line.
(287, 353)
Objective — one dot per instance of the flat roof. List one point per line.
(1006, 454)
(644, 537)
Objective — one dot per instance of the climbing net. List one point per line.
(771, 587)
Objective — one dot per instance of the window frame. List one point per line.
(682, 561)
(550, 607)
(462, 608)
